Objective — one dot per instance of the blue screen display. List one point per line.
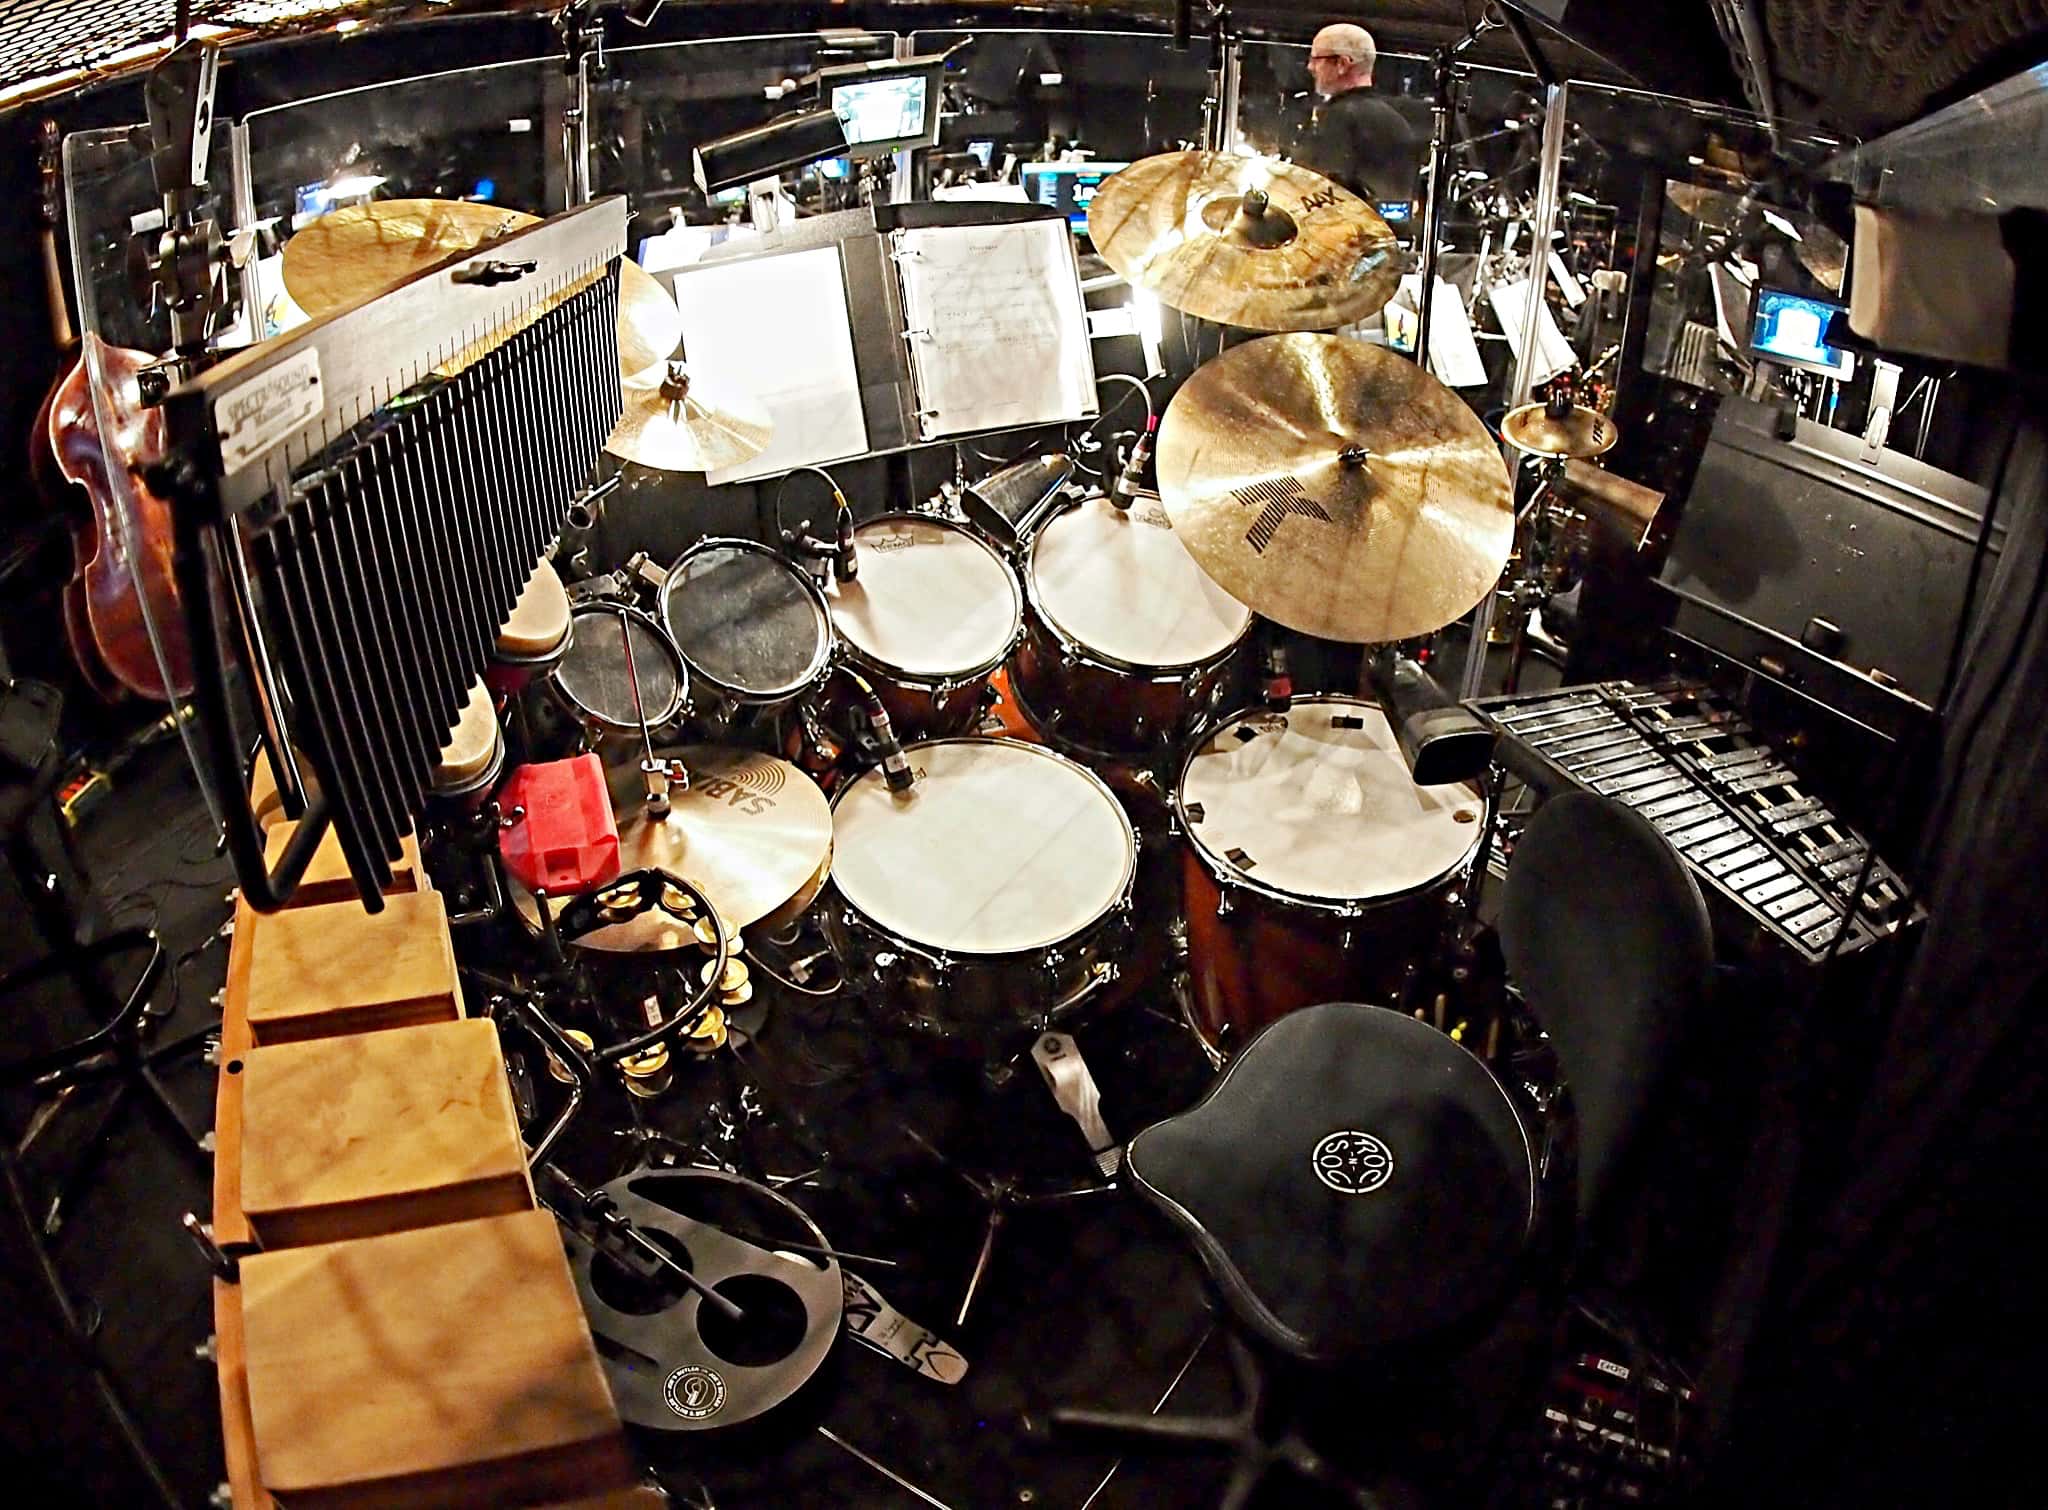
(1068, 187)
(1792, 328)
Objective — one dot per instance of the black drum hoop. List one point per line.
(821, 660)
(656, 717)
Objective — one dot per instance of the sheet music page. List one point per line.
(1453, 350)
(1553, 352)
(777, 328)
(997, 330)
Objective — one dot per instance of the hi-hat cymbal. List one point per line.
(1578, 432)
(672, 422)
(346, 256)
(752, 832)
(1246, 241)
(1335, 487)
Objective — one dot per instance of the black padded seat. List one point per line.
(1355, 1180)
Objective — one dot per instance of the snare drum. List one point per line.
(931, 616)
(1128, 644)
(471, 757)
(591, 683)
(1315, 869)
(992, 897)
(534, 637)
(753, 630)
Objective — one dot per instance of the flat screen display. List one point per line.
(1791, 328)
(876, 111)
(1067, 187)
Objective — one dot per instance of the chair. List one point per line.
(1361, 1190)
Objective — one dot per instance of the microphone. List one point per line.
(1442, 740)
(1130, 482)
(896, 769)
(1277, 683)
(845, 560)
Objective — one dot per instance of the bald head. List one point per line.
(1341, 58)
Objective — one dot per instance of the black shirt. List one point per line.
(1363, 143)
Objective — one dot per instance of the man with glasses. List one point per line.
(1359, 140)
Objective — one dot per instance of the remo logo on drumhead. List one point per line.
(1353, 1163)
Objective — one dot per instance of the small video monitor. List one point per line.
(885, 107)
(1394, 211)
(1791, 329)
(1068, 187)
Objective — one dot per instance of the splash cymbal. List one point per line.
(350, 254)
(1579, 432)
(672, 422)
(753, 833)
(1246, 241)
(1335, 487)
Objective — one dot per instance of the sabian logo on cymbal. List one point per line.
(1278, 498)
(763, 775)
(1320, 199)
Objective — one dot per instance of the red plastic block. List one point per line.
(566, 842)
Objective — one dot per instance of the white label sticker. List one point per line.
(255, 415)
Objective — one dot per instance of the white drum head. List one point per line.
(1123, 585)
(1317, 803)
(999, 847)
(930, 600)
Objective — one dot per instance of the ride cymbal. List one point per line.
(1246, 241)
(672, 423)
(752, 832)
(350, 254)
(1578, 432)
(1336, 488)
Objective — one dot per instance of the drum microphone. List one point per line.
(845, 560)
(1441, 740)
(1130, 482)
(896, 769)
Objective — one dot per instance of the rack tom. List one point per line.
(535, 635)
(931, 616)
(752, 628)
(1315, 868)
(991, 898)
(1128, 644)
(593, 681)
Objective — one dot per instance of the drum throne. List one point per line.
(1368, 1201)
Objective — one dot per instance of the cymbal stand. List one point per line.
(657, 774)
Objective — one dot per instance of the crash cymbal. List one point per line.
(346, 256)
(752, 832)
(1247, 241)
(1579, 431)
(1335, 487)
(672, 422)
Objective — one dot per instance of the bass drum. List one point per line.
(753, 630)
(930, 617)
(1315, 868)
(1128, 644)
(992, 898)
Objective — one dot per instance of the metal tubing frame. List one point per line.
(1544, 223)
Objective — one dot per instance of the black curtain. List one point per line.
(1899, 1360)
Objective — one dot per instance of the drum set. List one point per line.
(984, 764)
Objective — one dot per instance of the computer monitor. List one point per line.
(1791, 329)
(885, 107)
(1067, 187)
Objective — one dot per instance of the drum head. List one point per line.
(999, 847)
(592, 676)
(470, 749)
(930, 600)
(747, 619)
(1122, 584)
(539, 620)
(1317, 803)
